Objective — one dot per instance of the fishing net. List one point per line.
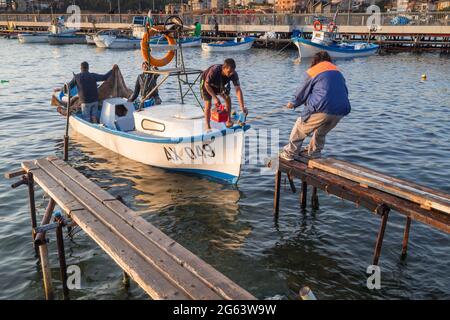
(113, 87)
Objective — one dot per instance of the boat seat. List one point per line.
(124, 124)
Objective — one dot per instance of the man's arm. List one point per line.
(211, 92)
(240, 97)
(301, 94)
(137, 89)
(104, 77)
(71, 84)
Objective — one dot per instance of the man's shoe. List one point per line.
(283, 155)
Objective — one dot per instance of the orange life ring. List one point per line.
(317, 25)
(332, 26)
(146, 52)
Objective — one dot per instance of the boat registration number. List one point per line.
(193, 153)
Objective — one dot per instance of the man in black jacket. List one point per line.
(145, 83)
(86, 83)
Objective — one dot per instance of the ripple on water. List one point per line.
(398, 125)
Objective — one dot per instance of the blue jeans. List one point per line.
(89, 111)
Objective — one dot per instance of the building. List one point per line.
(443, 5)
(290, 5)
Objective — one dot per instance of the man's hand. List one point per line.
(216, 101)
(290, 105)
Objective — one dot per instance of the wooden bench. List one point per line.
(161, 266)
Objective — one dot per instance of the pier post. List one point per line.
(303, 195)
(62, 259)
(276, 200)
(46, 272)
(314, 199)
(30, 183)
(66, 135)
(382, 210)
(125, 280)
(405, 238)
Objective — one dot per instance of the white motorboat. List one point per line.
(171, 135)
(238, 44)
(33, 37)
(61, 34)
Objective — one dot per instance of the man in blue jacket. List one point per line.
(86, 83)
(325, 96)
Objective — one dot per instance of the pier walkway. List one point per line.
(368, 188)
(430, 24)
(159, 265)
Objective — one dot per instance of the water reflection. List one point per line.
(173, 200)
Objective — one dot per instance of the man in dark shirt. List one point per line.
(86, 83)
(216, 82)
(145, 83)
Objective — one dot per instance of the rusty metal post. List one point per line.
(30, 183)
(314, 199)
(303, 195)
(405, 238)
(46, 272)
(383, 210)
(276, 200)
(125, 280)
(66, 135)
(62, 259)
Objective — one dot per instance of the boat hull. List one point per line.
(33, 38)
(308, 49)
(66, 39)
(185, 43)
(218, 156)
(227, 47)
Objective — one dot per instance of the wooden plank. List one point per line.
(133, 264)
(386, 184)
(159, 259)
(213, 278)
(433, 192)
(66, 201)
(81, 179)
(369, 198)
(13, 174)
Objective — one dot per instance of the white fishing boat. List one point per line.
(325, 41)
(33, 37)
(120, 42)
(138, 26)
(171, 135)
(187, 42)
(90, 39)
(115, 39)
(238, 44)
(61, 34)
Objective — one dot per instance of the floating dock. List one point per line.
(158, 264)
(368, 188)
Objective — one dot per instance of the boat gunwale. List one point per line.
(173, 140)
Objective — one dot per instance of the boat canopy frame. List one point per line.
(175, 27)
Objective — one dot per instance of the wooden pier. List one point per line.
(368, 188)
(159, 265)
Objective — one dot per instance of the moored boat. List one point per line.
(61, 34)
(33, 37)
(325, 41)
(238, 44)
(90, 39)
(186, 42)
(171, 135)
